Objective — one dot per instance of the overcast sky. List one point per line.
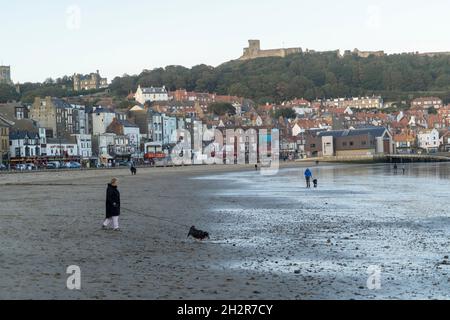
(48, 38)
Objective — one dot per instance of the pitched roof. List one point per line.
(66, 140)
(403, 137)
(5, 122)
(153, 90)
(137, 108)
(374, 131)
(59, 103)
(127, 124)
(20, 135)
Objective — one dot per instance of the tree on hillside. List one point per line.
(8, 93)
(221, 109)
(432, 110)
(285, 113)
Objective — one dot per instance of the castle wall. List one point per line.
(253, 53)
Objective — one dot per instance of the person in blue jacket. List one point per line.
(308, 176)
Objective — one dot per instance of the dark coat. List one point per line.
(112, 202)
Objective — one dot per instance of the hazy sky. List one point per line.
(48, 38)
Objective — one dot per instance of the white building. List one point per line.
(101, 144)
(375, 102)
(83, 123)
(84, 143)
(134, 137)
(156, 127)
(169, 130)
(43, 141)
(151, 94)
(101, 119)
(428, 140)
(24, 144)
(62, 148)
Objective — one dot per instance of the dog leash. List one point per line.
(156, 218)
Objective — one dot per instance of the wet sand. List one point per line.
(270, 237)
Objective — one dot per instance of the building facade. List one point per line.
(59, 118)
(84, 144)
(151, 94)
(92, 81)
(375, 102)
(428, 140)
(129, 130)
(100, 118)
(62, 148)
(5, 126)
(355, 143)
(24, 144)
(426, 103)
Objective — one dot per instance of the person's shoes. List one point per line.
(104, 228)
(117, 230)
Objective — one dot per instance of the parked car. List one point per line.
(53, 165)
(124, 163)
(73, 165)
(20, 167)
(3, 167)
(30, 167)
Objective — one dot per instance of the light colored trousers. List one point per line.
(114, 221)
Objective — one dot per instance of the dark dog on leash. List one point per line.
(198, 234)
(133, 171)
(315, 183)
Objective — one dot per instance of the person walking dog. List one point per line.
(308, 177)
(112, 206)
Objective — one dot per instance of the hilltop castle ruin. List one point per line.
(254, 51)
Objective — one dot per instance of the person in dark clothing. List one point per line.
(308, 177)
(112, 206)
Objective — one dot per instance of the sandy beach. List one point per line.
(270, 237)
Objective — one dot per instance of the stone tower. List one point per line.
(254, 47)
(5, 75)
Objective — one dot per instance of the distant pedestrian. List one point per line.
(256, 167)
(112, 206)
(308, 176)
(404, 170)
(395, 168)
(133, 168)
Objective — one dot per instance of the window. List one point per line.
(364, 143)
(351, 143)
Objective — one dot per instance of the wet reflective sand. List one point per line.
(359, 216)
